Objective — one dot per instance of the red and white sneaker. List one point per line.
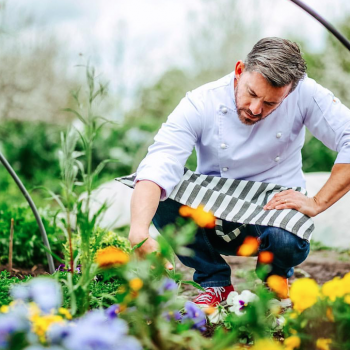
(213, 296)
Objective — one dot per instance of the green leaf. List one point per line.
(194, 284)
(303, 324)
(138, 245)
(100, 167)
(76, 114)
(52, 253)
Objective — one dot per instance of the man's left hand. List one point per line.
(291, 199)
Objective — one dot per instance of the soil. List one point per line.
(321, 265)
(20, 272)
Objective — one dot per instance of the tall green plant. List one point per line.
(73, 169)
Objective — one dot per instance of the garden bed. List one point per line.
(321, 266)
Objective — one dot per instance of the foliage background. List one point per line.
(37, 76)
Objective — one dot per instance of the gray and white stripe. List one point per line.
(237, 201)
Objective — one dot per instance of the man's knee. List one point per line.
(167, 213)
(289, 250)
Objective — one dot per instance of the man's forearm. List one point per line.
(144, 203)
(336, 187)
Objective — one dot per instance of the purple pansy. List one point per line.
(96, 331)
(242, 303)
(172, 315)
(195, 314)
(113, 311)
(9, 325)
(63, 268)
(168, 285)
(44, 291)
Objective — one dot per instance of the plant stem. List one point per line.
(11, 245)
(69, 230)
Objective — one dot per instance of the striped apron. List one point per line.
(236, 201)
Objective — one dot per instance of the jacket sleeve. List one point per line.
(326, 118)
(173, 144)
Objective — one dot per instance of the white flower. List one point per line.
(240, 301)
(278, 322)
(218, 315)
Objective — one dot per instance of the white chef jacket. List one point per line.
(268, 151)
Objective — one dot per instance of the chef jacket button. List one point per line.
(278, 135)
(224, 110)
(277, 159)
(223, 145)
(224, 169)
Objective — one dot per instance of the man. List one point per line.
(248, 125)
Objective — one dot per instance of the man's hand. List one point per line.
(149, 246)
(291, 199)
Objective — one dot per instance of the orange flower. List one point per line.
(136, 284)
(111, 256)
(186, 211)
(329, 314)
(279, 285)
(249, 247)
(265, 257)
(201, 218)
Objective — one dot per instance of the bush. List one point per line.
(6, 281)
(28, 248)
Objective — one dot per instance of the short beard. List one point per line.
(240, 112)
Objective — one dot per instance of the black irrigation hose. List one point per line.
(33, 207)
(314, 14)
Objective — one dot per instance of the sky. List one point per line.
(136, 40)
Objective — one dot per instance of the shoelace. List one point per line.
(205, 296)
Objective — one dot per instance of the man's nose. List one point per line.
(256, 107)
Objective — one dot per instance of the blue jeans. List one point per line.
(211, 270)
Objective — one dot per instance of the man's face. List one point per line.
(255, 97)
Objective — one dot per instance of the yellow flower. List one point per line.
(65, 313)
(293, 315)
(323, 343)
(347, 299)
(346, 283)
(267, 344)
(4, 309)
(111, 256)
(34, 309)
(249, 247)
(333, 289)
(304, 293)
(136, 284)
(201, 218)
(279, 285)
(292, 342)
(42, 323)
(121, 290)
(329, 314)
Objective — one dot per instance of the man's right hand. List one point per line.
(144, 203)
(149, 246)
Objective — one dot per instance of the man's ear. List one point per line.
(239, 69)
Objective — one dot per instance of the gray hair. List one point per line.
(278, 60)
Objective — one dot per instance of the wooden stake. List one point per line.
(11, 245)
